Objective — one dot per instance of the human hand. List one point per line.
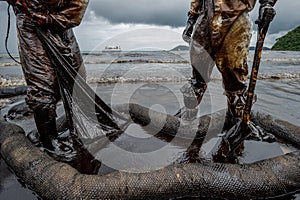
(266, 14)
(41, 18)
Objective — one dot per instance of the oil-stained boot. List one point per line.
(232, 144)
(48, 136)
(192, 95)
(46, 127)
(236, 106)
(64, 146)
(236, 102)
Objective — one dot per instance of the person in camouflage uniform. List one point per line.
(219, 33)
(57, 17)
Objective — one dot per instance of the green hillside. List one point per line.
(289, 42)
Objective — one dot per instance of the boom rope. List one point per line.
(7, 35)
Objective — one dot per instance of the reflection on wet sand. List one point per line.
(131, 141)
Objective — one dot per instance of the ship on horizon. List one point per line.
(112, 49)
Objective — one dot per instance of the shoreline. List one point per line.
(277, 95)
(214, 96)
(124, 141)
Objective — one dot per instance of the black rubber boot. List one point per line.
(187, 33)
(48, 136)
(46, 127)
(64, 146)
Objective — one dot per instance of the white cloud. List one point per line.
(96, 29)
(96, 32)
(270, 38)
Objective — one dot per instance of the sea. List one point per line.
(153, 79)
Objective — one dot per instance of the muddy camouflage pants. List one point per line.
(224, 44)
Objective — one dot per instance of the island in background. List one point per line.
(288, 42)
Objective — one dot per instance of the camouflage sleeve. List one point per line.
(250, 3)
(195, 6)
(71, 14)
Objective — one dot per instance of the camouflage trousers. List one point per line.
(224, 43)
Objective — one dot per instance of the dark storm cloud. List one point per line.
(173, 12)
(288, 15)
(159, 12)
(155, 12)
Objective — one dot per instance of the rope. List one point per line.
(7, 35)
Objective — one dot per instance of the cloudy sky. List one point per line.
(146, 24)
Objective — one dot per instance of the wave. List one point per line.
(4, 102)
(8, 64)
(137, 61)
(158, 79)
(20, 81)
(140, 79)
(293, 61)
(12, 81)
(183, 61)
(282, 60)
(280, 76)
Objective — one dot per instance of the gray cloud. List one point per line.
(173, 12)
(288, 15)
(159, 12)
(153, 12)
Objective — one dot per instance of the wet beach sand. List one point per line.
(278, 94)
(164, 98)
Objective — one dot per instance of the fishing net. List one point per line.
(86, 112)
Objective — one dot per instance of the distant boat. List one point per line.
(112, 49)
